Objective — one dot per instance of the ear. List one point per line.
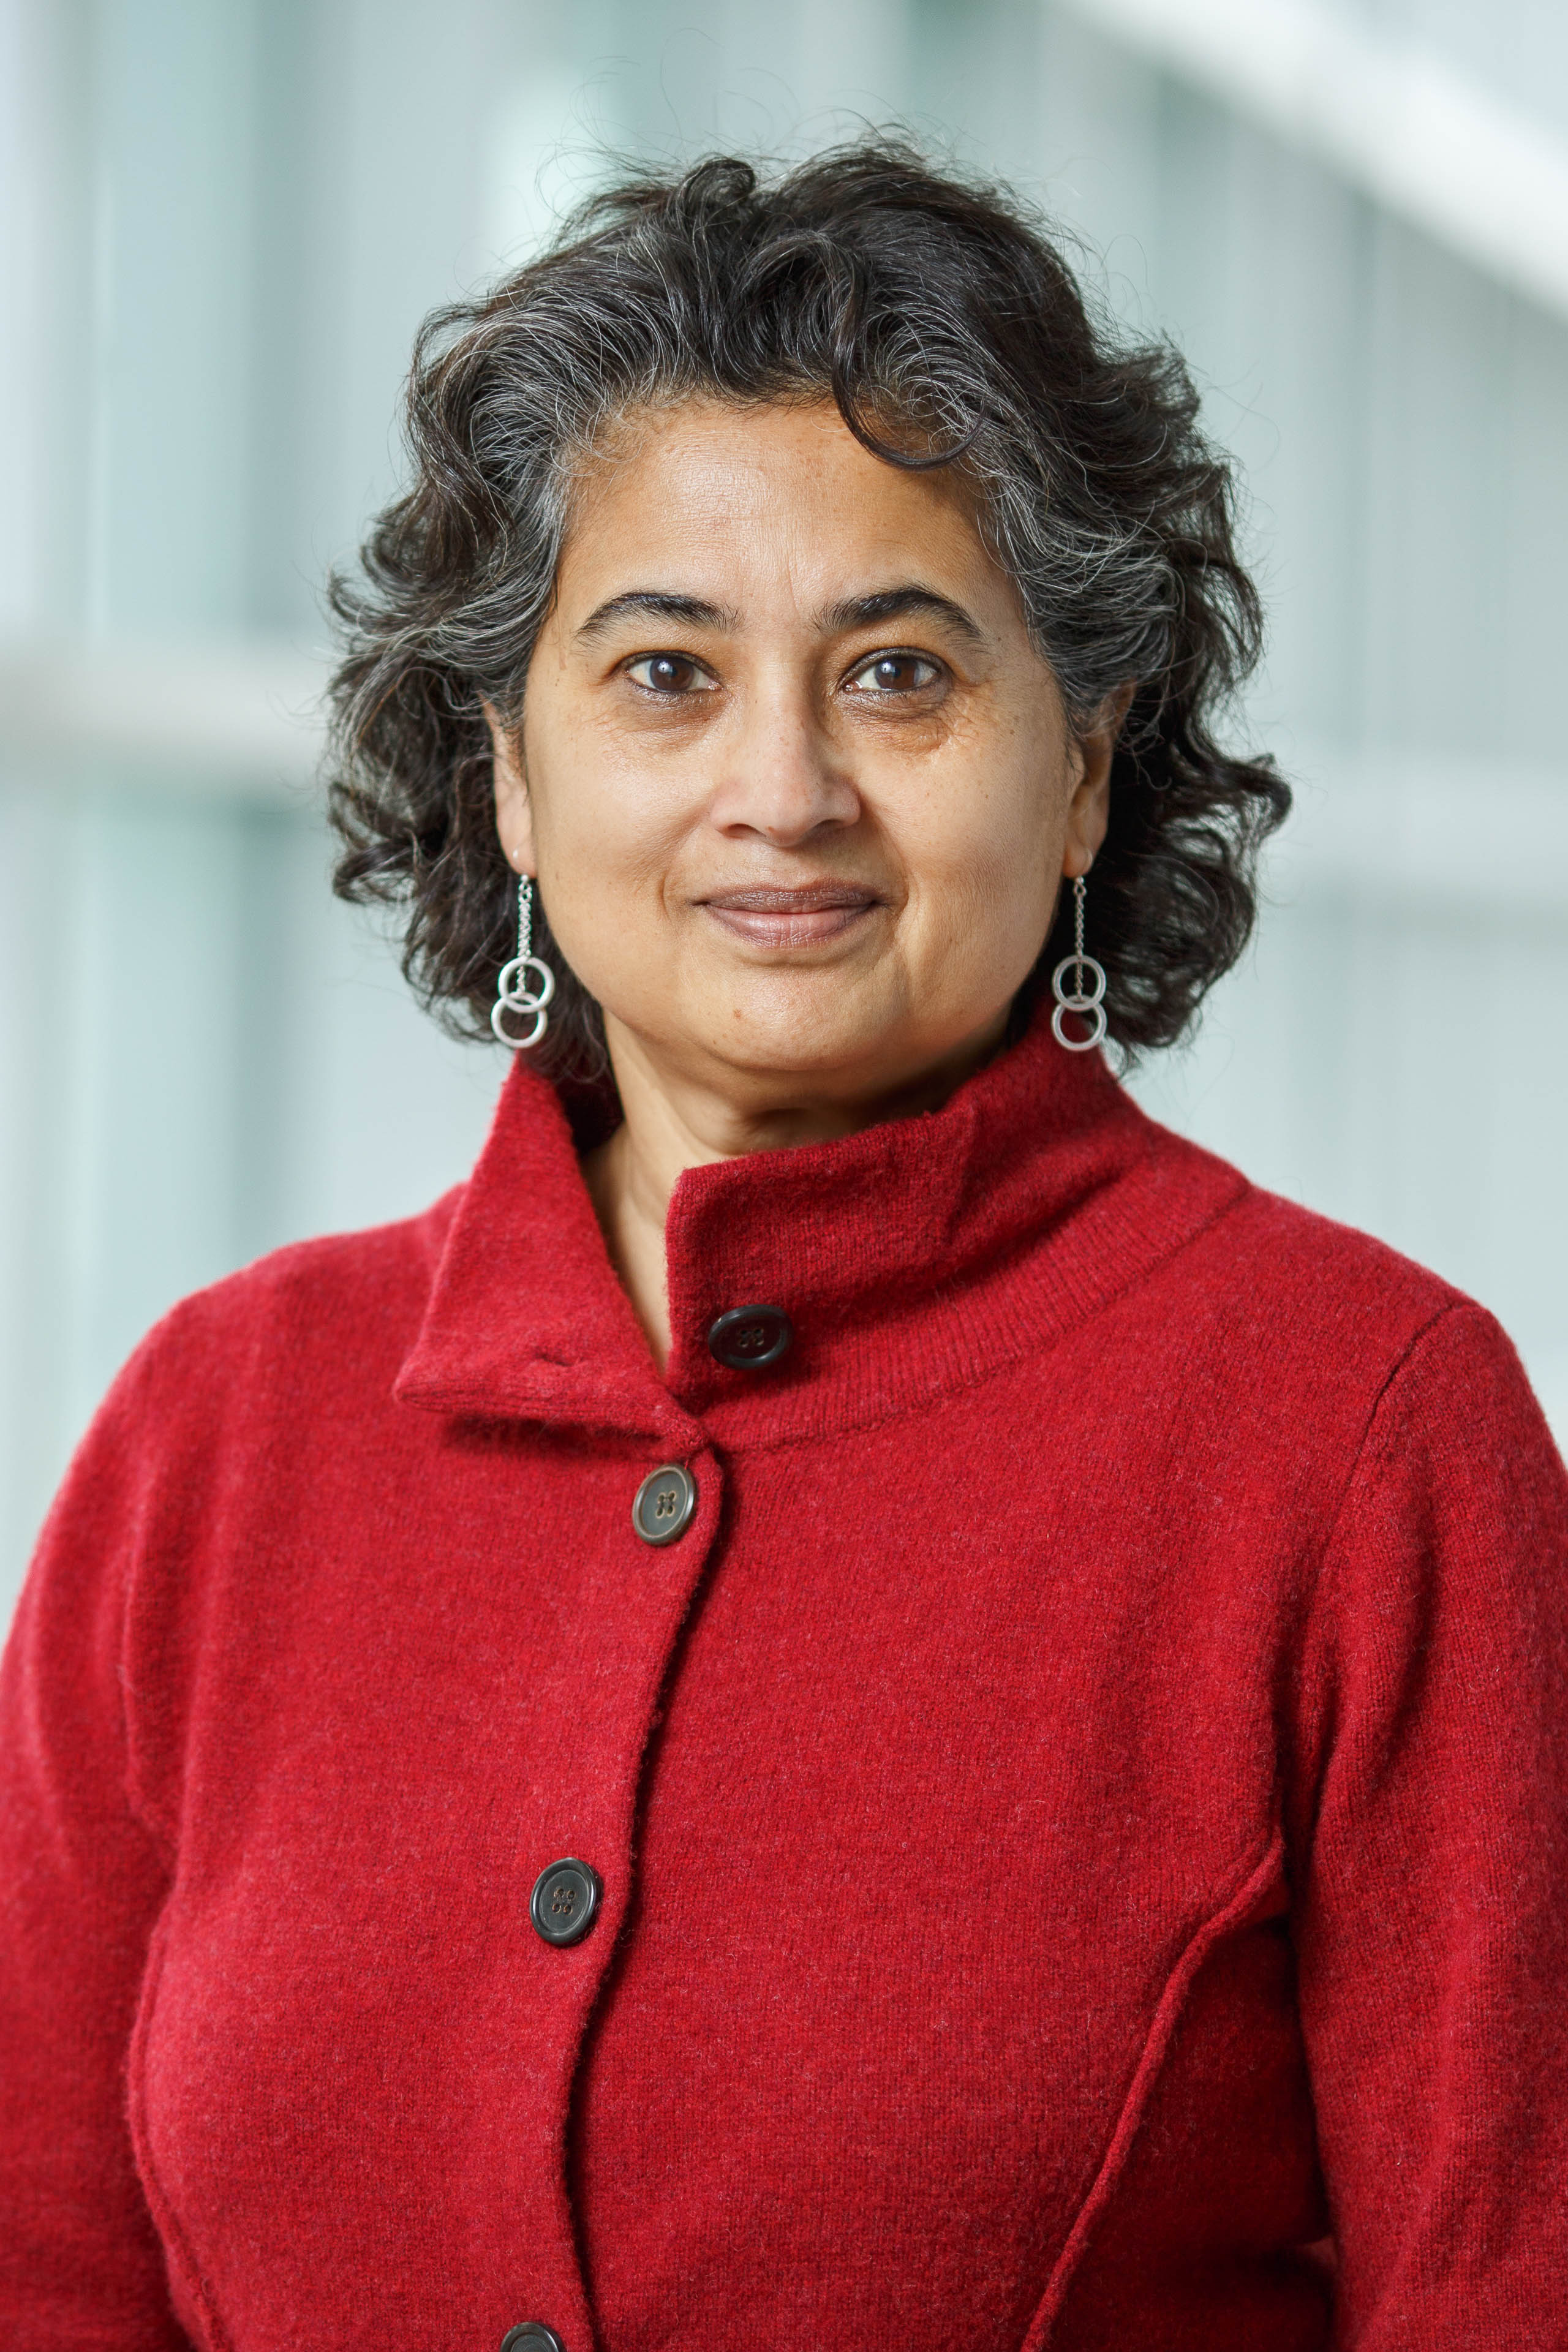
(514, 810)
(1088, 811)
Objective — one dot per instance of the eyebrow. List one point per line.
(897, 603)
(655, 604)
(850, 613)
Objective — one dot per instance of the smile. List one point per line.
(803, 917)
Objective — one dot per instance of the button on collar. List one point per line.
(750, 1338)
(565, 1904)
(531, 2336)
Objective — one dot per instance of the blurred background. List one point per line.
(221, 222)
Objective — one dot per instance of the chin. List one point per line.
(834, 1049)
(767, 1054)
(807, 1040)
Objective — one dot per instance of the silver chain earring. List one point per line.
(1088, 1002)
(513, 992)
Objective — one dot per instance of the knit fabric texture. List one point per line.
(1082, 1810)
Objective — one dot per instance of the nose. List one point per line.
(783, 780)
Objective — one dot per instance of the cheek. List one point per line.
(602, 838)
(982, 854)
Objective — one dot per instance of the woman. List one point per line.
(854, 1700)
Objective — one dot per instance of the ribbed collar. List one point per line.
(914, 1258)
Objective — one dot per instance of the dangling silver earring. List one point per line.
(513, 994)
(1086, 1003)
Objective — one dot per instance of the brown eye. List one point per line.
(673, 674)
(895, 674)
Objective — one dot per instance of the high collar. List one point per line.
(916, 1256)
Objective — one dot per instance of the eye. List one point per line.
(671, 674)
(895, 672)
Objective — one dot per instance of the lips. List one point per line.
(804, 916)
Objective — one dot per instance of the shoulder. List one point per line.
(1328, 1279)
(1291, 1330)
(241, 1389)
(303, 1325)
(1264, 1271)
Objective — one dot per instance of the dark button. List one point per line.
(531, 2336)
(665, 1503)
(565, 1904)
(750, 1338)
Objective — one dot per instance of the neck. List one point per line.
(672, 1121)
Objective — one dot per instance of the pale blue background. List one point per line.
(220, 223)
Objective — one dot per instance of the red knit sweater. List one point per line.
(1080, 1810)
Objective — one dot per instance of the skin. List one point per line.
(798, 792)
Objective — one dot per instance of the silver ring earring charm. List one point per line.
(1088, 1002)
(527, 983)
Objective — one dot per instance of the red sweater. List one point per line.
(1081, 1809)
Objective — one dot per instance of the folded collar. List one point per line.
(918, 1255)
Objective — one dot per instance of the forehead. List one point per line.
(762, 501)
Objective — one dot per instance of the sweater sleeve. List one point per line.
(1431, 1906)
(81, 1886)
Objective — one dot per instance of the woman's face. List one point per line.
(798, 789)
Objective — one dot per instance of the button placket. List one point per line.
(619, 1658)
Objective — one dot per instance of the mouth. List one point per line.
(801, 918)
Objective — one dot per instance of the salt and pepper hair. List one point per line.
(941, 319)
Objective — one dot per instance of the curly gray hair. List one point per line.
(944, 322)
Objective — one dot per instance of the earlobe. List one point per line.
(1089, 816)
(1088, 811)
(514, 809)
